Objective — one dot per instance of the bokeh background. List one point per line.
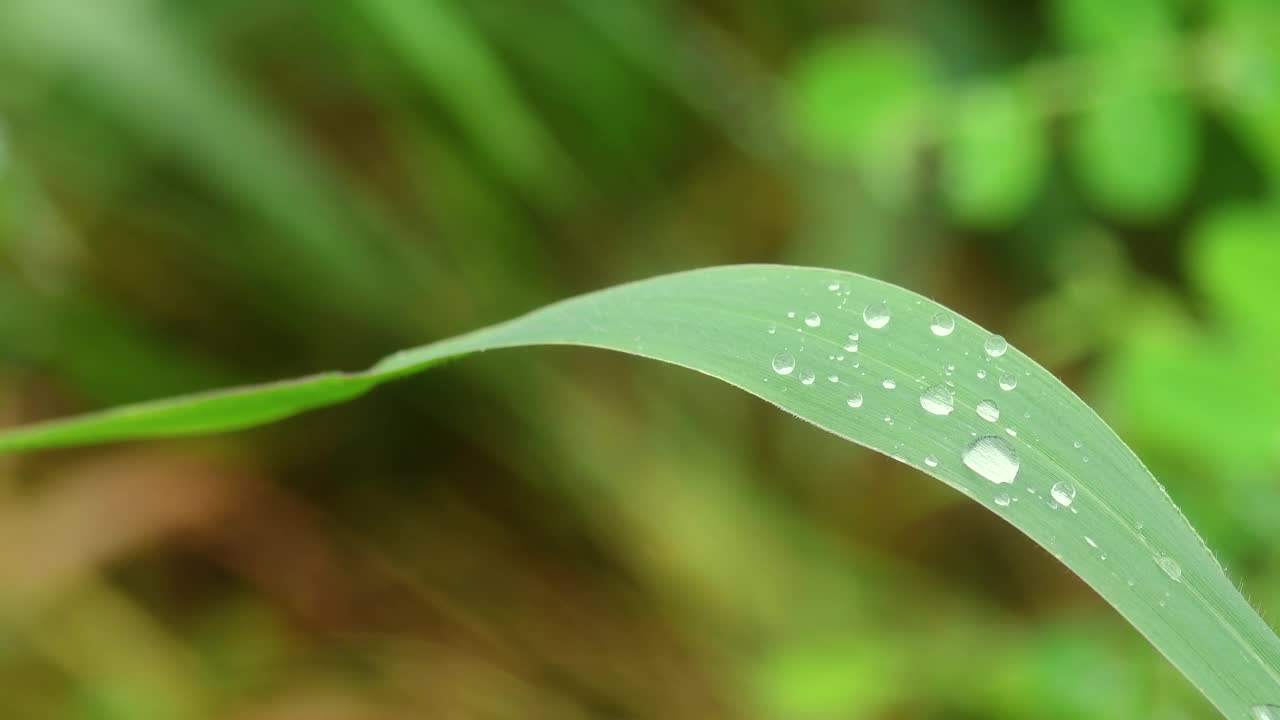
(195, 193)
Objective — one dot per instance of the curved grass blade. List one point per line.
(936, 392)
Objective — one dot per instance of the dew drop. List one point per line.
(791, 314)
(876, 315)
(833, 378)
(773, 328)
(834, 287)
(931, 461)
(1077, 445)
(1008, 381)
(942, 324)
(1092, 544)
(937, 400)
(851, 346)
(993, 458)
(784, 363)
(855, 400)
(807, 377)
(1002, 499)
(982, 374)
(1063, 492)
(995, 346)
(988, 411)
(813, 319)
(1170, 567)
(888, 383)
(888, 419)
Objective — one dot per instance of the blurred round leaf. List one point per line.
(1102, 24)
(860, 99)
(1136, 149)
(993, 156)
(1234, 258)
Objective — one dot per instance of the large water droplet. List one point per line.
(876, 315)
(784, 363)
(855, 400)
(937, 400)
(888, 383)
(1008, 381)
(807, 377)
(942, 324)
(1002, 499)
(993, 458)
(1265, 712)
(1170, 567)
(988, 411)
(813, 319)
(1063, 492)
(995, 346)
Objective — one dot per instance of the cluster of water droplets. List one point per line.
(990, 456)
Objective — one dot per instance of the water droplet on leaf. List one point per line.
(1008, 381)
(807, 377)
(931, 461)
(784, 363)
(937, 400)
(855, 400)
(993, 458)
(995, 346)
(1063, 492)
(942, 324)
(888, 384)
(988, 411)
(1002, 499)
(813, 319)
(1170, 567)
(876, 315)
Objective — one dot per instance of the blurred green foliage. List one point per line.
(196, 193)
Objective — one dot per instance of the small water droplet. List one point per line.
(851, 346)
(942, 324)
(888, 419)
(833, 378)
(995, 346)
(1011, 432)
(834, 287)
(773, 328)
(1170, 567)
(982, 374)
(993, 458)
(807, 377)
(888, 383)
(784, 363)
(1008, 381)
(1092, 544)
(1002, 499)
(1130, 582)
(931, 461)
(876, 315)
(1063, 492)
(988, 411)
(1265, 712)
(853, 336)
(1138, 525)
(1077, 445)
(855, 400)
(937, 400)
(813, 319)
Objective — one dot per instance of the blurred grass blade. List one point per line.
(928, 388)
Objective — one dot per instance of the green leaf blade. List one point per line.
(731, 322)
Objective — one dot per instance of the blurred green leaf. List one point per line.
(1234, 258)
(1106, 25)
(767, 329)
(861, 98)
(1136, 148)
(994, 156)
